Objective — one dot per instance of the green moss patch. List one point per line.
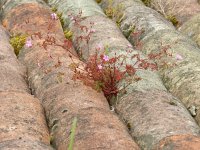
(18, 42)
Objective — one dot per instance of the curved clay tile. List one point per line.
(186, 9)
(187, 13)
(191, 28)
(22, 124)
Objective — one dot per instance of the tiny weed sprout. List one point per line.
(114, 12)
(170, 9)
(72, 133)
(68, 34)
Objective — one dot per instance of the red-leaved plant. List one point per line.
(99, 71)
(104, 73)
(107, 73)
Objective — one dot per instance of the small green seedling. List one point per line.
(72, 135)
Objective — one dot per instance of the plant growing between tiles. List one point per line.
(114, 12)
(105, 73)
(169, 9)
(68, 33)
(100, 71)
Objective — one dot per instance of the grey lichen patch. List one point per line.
(146, 141)
(149, 80)
(185, 90)
(191, 28)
